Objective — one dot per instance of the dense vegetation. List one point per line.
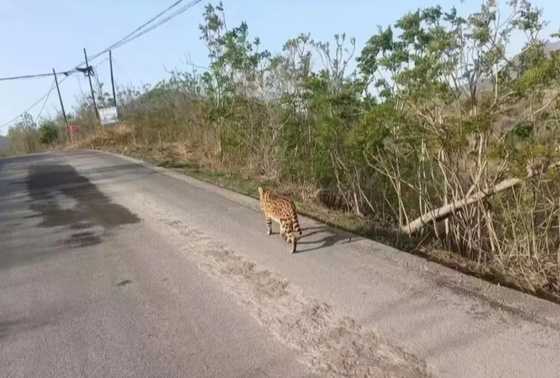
(434, 114)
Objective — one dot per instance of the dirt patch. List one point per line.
(333, 346)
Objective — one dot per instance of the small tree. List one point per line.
(23, 136)
(48, 133)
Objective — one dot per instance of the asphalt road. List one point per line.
(114, 268)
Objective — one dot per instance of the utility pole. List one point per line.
(112, 79)
(61, 105)
(60, 99)
(89, 73)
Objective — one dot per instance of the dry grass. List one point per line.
(180, 156)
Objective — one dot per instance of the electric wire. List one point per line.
(46, 99)
(128, 38)
(36, 75)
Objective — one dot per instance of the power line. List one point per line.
(159, 23)
(113, 46)
(37, 75)
(28, 109)
(122, 72)
(120, 42)
(46, 99)
(128, 38)
(45, 96)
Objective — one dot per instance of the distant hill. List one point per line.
(4, 145)
(549, 47)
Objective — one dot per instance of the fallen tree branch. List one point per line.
(446, 211)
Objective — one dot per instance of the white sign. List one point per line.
(108, 115)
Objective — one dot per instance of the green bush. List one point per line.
(48, 133)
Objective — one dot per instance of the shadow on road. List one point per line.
(46, 182)
(328, 239)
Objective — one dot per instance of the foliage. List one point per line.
(23, 136)
(48, 133)
(434, 111)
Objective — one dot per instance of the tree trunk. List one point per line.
(446, 211)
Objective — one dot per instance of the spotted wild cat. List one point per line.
(282, 211)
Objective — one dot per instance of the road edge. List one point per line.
(518, 303)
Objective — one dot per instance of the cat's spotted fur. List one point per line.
(283, 211)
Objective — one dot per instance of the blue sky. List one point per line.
(36, 36)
